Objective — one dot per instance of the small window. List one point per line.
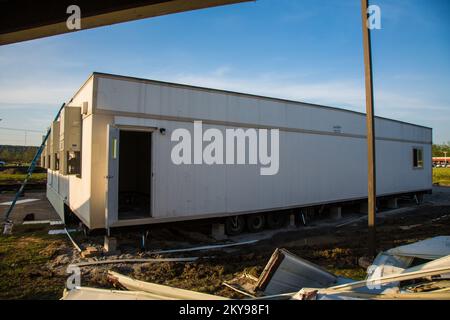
(74, 163)
(417, 158)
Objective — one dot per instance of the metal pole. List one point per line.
(370, 122)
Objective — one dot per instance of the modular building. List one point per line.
(114, 165)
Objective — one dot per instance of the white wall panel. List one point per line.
(158, 99)
(314, 168)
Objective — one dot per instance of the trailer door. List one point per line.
(112, 177)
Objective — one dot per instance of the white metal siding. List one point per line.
(154, 99)
(316, 164)
(313, 169)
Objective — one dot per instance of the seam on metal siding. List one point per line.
(187, 86)
(249, 125)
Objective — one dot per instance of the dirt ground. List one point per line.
(33, 264)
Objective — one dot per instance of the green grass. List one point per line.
(7, 178)
(23, 256)
(441, 176)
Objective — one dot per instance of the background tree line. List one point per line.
(21, 154)
(439, 149)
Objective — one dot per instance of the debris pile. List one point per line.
(419, 270)
(416, 271)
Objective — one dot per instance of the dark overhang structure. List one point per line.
(22, 20)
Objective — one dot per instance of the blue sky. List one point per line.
(295, 49)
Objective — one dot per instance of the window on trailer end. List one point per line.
(417, 158)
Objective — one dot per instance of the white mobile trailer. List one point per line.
(119, 171)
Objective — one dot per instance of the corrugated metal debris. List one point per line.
(399, 273)
(286, 272)
(394, 275)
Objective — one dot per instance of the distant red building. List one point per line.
(441, 160)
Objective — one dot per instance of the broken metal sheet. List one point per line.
(397, 260)
(86, 293)
(386, 264)
(438, 263)
(285, 273)
(389, 269)
(159, 290)
(430, 269)
(385, 259)
(428, 249)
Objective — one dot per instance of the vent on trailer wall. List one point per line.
(47, 154)
(54, 146)
(70, 141)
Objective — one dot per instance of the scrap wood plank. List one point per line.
(165, 291)
(86, 293)
(98, 262)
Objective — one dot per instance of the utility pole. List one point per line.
(445, 157)
(370, 122)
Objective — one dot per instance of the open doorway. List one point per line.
(134, 175)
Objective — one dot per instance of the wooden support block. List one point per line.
(110, 244)
(218, 231)
(336, 213)
(392, 203)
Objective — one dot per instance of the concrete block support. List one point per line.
(218, 231)
(392, 203)
(110, 244)
(364, 207)
(292, 221)
(336, 213)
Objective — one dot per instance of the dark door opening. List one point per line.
(134, 174)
